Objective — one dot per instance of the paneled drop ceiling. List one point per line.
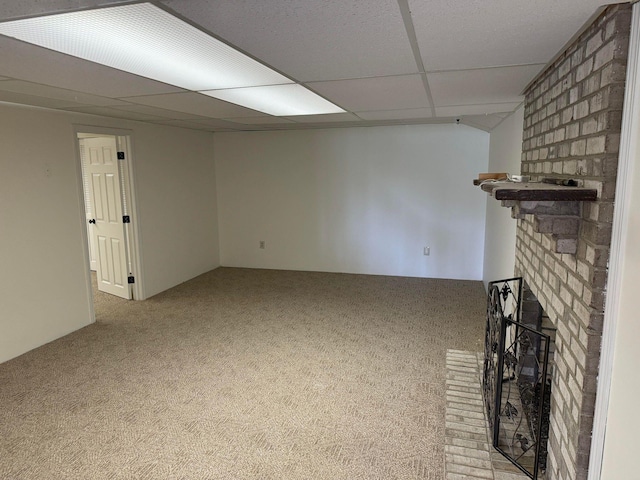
(383, 61)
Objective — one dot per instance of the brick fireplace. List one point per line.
(573, 114)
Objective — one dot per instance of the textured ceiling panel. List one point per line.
(332, 117)
(474, 87)
(156, 112)
(382, 93)
(480, 33)
(21, 98)
(191, 125)
(38, 90)
(13, 9)
(483, 122)
(196, 104)
(112, 112)
(262, 121)
(355, 53)
(311, 40)
(411, 113)
(39, 65)
(476, 109)
(210, 123)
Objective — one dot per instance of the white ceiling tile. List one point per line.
(184, 124)
(409, 113)
(195, 103)
(381, 93)
(484, 109)
(331, 117)
(311, 40)
(211, 127)
(156, 112)
(481, 33)
(483, 122)
(217, 123)
(38, 65)
(38, 90)
(489, 85)
(339, 40)
(21, 98)
(10, 10)
(262, 120)
(112, 112)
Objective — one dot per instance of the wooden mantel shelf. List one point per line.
(554, 203)
(538, 192)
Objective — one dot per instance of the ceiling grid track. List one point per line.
(405, 11)
(373, 63)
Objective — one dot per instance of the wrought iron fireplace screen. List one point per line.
(516, 384)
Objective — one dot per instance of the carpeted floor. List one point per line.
(245, 374)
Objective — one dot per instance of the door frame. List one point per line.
(124, 140)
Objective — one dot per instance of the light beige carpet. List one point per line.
(245, 374)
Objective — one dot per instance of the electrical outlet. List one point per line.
(427, 250)
(262, 244)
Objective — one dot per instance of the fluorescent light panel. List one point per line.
(278, 100)
(145, 40)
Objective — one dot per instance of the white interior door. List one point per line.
(93, 256)
(107, 222)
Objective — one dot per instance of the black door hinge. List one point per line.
(131, 279)
(126, 219)
(120, 155)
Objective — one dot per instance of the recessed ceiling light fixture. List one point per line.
(277, 100)
(145, 40)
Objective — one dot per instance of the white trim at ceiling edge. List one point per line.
(629, 151)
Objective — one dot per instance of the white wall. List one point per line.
(623, 420)
(358, 200)
(505, 150)
(176, 187)
(43, 285)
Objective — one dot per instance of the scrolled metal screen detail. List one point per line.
(516, 386)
